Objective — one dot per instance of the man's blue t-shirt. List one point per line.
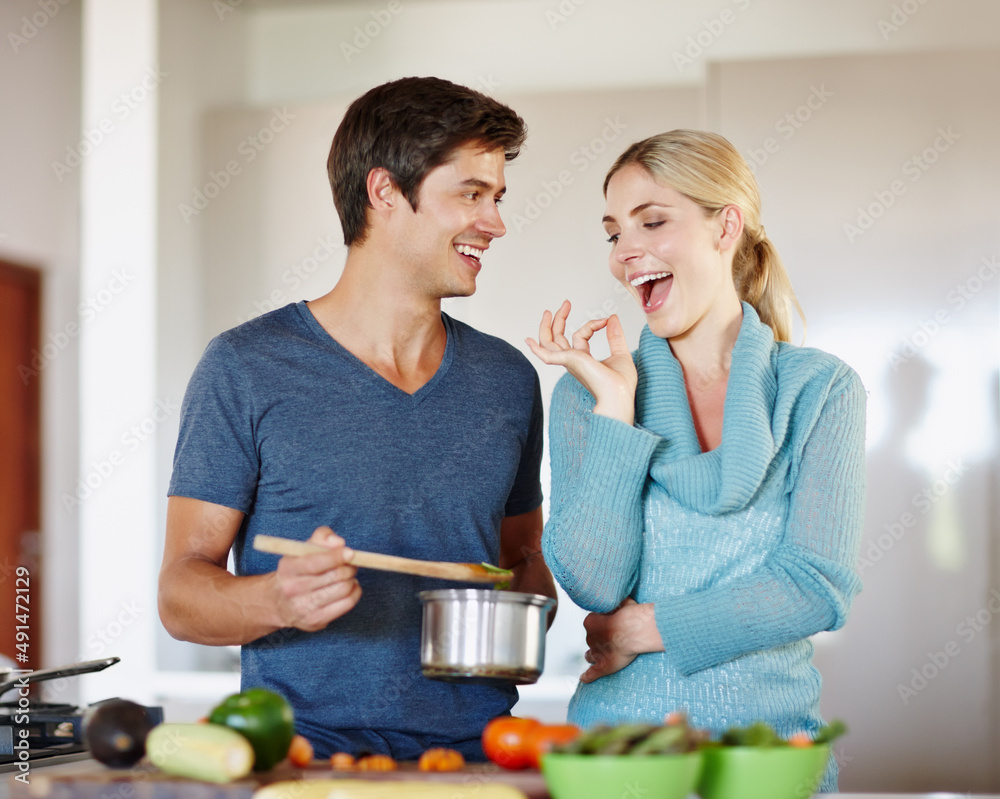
(281, 422)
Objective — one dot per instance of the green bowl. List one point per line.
(615, 776)
(751, 772)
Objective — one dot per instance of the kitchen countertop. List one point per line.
(88, 779)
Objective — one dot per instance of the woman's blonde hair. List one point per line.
(706, 168)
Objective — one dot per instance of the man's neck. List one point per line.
(384, 322)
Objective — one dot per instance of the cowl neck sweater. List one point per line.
(757, 417)
(743, 551)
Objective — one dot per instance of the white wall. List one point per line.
(316, 51)
(119, 405)
(870, 294)
(202, 52)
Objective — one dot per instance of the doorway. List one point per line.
(20, 465)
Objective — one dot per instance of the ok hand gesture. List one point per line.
(611, 381)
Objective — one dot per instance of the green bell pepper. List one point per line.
(264, 718)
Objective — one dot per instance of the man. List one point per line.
(369, 412)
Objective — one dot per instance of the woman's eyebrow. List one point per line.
(638, 210)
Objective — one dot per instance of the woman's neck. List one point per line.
(705, 354)
(705, 351)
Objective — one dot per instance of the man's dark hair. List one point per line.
(408, 127)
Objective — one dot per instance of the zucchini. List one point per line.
(385, 789)
(200, 751)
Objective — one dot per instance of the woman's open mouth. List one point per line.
(653, 289)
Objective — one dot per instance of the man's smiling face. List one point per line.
(444, 240)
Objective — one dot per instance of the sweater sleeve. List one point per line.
(808, 582)
(592, 541)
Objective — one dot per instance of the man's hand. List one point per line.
(201, 602)
(313, 590)
(616, 638)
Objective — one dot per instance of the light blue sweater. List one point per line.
(745, 551)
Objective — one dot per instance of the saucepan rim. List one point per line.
(486, 595)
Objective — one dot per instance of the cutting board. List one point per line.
(88, 779)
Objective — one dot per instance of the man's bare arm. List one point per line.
(521, 551)
(200, 601)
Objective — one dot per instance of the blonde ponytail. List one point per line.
(761, 280)
(706, 168)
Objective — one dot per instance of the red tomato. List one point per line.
(545, 736)
(505, 741)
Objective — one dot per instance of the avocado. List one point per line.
(115, 731)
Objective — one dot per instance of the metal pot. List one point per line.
(480, 635)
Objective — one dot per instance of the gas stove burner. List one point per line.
(54, 730)
(9, 708)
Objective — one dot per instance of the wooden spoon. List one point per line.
(463, 572)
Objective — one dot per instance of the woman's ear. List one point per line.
(731, 218)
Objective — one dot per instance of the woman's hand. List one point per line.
(616, 638)
(611, 381)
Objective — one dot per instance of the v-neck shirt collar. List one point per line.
(365, 373)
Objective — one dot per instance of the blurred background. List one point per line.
(163, 179)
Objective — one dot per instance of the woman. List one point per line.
(707, 490)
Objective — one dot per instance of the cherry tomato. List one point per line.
(440, 759)
(300, 751)
(545, 736)
(342, 761)
(505, 741)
